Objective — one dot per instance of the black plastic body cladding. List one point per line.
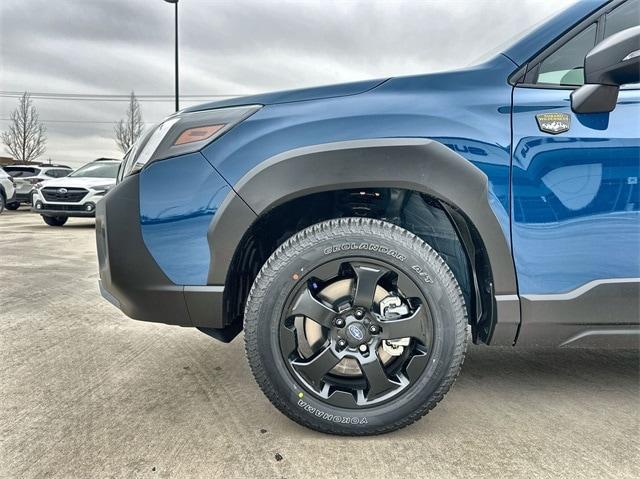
(414, 164)
(130, 277)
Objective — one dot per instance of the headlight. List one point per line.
(102, 190)
(184, 133)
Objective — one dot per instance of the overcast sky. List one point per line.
(227, 48)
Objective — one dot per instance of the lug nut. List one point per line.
(342, 343)
(373, 329)
(363, 348)
(359, 313)
(339, 322)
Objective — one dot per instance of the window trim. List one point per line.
(523, 76)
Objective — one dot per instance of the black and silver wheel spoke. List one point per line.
(336, 346)
(327, 271)
(414, 326)
(308, 306)
(407, 287)
(317, 368)
(288, 343)
(367, 278)
(378, 381)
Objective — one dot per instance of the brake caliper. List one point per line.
(392, 307)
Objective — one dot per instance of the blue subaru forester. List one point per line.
(361, 233)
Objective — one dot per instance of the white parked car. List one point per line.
(7, 189)
(27, 176)
(75, 195)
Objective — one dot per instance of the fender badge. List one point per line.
(553, 123)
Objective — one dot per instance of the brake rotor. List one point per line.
(313, 333)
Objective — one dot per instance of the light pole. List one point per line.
(175, 3)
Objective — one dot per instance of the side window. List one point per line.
(565, 66)
(57, 173)
(622, 17)
(23, 172)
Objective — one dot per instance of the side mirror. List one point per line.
(613, 62)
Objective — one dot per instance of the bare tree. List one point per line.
(129, 129)
(26, 138)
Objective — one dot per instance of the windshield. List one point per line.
(505, 44)
(123, 165)
(98, 169)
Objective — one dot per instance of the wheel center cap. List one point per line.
(356, 334)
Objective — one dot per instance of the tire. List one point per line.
(2, 203)
(55, 220)
(13, 206)
(355, 400)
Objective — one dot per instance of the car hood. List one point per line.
(288, 96)
(72, 182)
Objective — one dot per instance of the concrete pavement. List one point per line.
(87, 392)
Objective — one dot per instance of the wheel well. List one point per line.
(442, 226)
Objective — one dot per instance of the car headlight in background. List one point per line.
(102, 190)
(184, 133)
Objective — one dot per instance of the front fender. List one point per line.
(416, 164)
(409, 163)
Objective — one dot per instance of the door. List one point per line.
(576, 200)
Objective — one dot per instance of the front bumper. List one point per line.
(86, 208)
(12, 198)
(23, 191)
(62, 210)
(132, 280)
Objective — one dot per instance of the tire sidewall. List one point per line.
(318, 250)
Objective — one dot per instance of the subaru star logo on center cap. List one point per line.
(62, 191)
(356, 332)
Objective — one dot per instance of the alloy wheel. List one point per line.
(356, 332)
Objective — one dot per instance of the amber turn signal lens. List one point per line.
(197, 134)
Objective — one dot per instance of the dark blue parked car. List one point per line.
(359, 234)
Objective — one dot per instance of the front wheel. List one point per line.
(13, 206)
(55, 220)
(355, 326)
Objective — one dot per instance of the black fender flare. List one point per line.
(418, 164)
